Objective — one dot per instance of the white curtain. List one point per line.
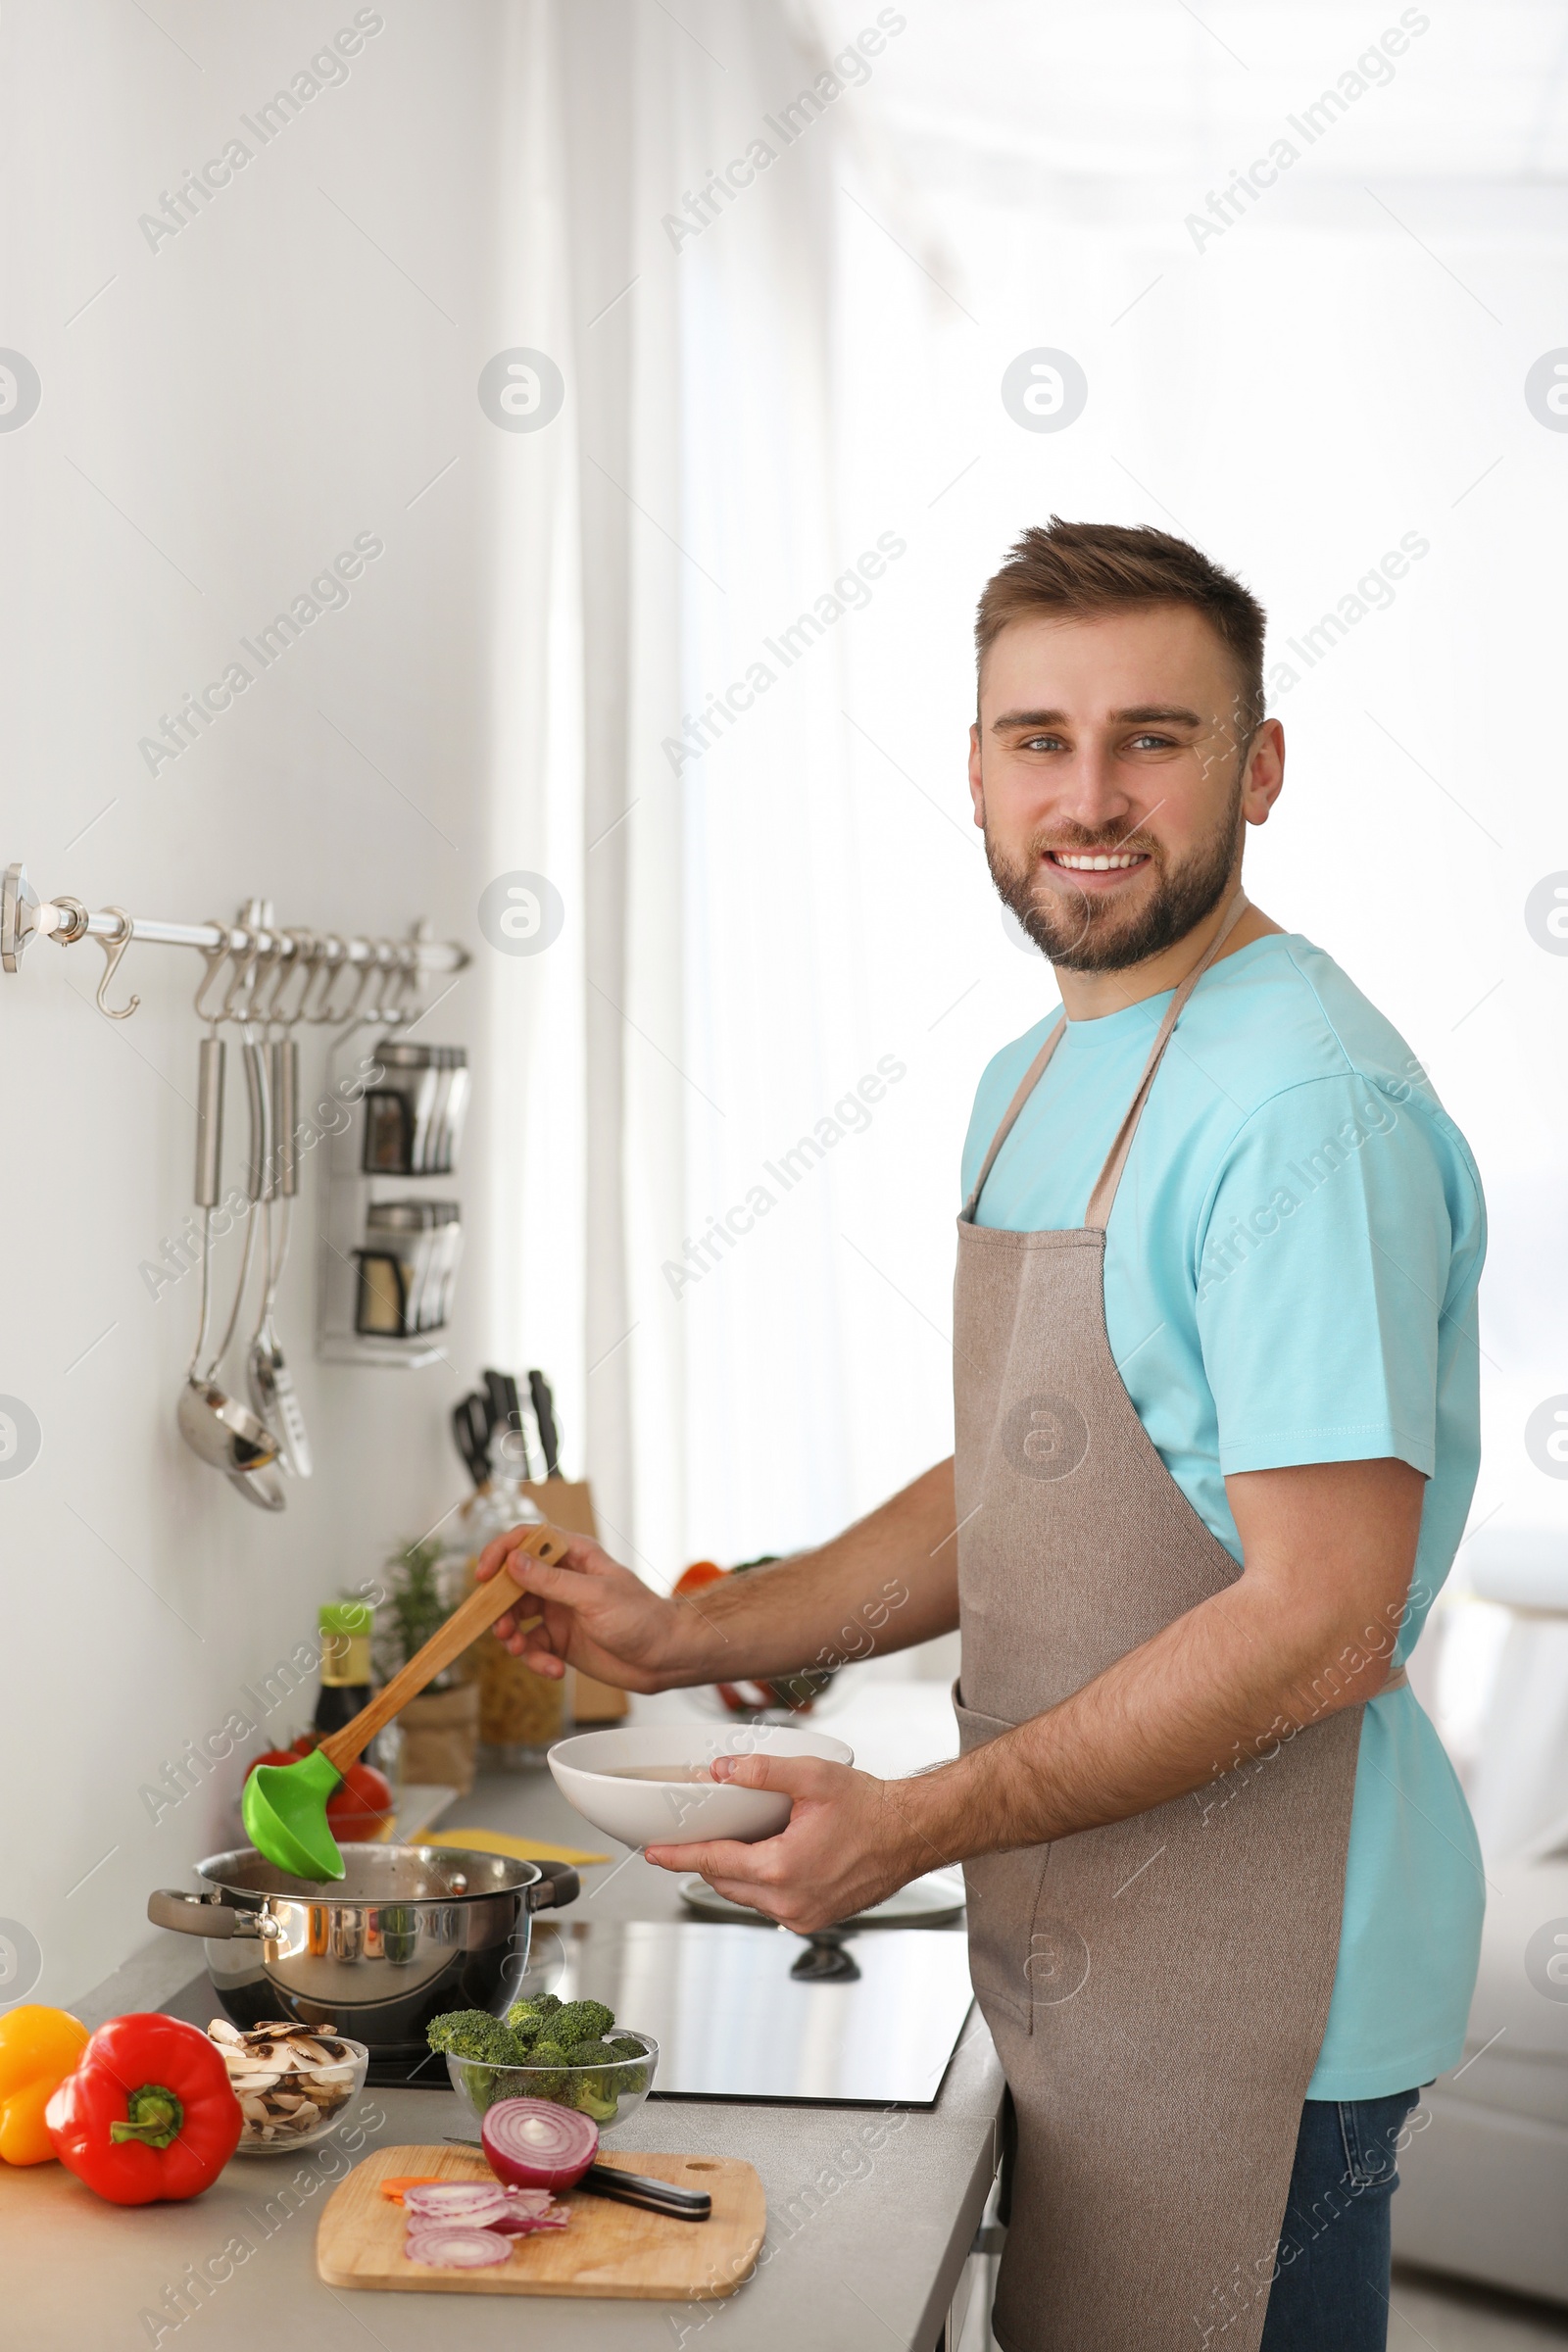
(700, 1012)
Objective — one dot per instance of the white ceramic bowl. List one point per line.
(642, 1812)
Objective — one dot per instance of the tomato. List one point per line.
(698, 1574)
(362, 1807)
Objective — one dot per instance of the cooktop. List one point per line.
(757, 2013)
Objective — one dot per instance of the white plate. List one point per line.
(933, 1901)
(677, 1812)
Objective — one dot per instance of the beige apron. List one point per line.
(1158, 1990)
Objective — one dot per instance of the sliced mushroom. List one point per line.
(311, 2051)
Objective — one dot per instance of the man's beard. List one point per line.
(1085, 933)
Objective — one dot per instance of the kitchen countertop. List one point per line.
(865, 2245)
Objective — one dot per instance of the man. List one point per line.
(1216, 1408)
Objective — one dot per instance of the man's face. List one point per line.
(1107, 770)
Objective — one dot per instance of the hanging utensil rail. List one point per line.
(24, 916)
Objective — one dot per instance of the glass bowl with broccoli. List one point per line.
(571, 2052)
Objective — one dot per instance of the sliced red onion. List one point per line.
(533, 2144)
(475, 2202)
(530, 2200)
(524, 2225)
(449, 2248)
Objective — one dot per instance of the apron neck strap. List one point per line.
(1026, 1087)
(1098, 1215)
(1104, 1191)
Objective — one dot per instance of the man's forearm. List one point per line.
(1242, 1672)
(887, 1582)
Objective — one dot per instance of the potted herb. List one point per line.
(441, 1727)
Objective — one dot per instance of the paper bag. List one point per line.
(568, 1503)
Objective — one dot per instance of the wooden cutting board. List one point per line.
(608, 2248)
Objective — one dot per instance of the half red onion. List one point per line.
(471, 2202)
(447, 2246)
(533, 2144)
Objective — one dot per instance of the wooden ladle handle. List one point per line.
(480, 1609)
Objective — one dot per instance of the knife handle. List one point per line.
(544, 1413)
(656, 2196)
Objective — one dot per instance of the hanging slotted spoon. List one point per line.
(268, 1376)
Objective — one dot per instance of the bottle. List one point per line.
(520, 1713)
(344, 1626)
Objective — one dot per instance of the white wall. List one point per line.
(228, 413)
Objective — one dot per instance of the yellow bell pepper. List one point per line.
(38, 2048)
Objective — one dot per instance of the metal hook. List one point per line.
(307, 955)
(262, 960)
(243, 986)
(348, 1014)
(114, 948)
(280, 959)
(329, 953)
(383, 961)
(215, 960)
(392, 1007)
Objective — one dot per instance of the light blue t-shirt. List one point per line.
(1291, 1273)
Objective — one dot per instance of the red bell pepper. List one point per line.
(147, 2114)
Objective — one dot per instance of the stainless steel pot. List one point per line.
(410, 1930)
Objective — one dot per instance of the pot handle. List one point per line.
(559, 1885)
(207, 1915)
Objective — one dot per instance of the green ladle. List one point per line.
(285, 1806)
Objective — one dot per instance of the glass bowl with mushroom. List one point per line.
(293, 2082)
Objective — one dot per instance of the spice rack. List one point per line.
(388, 1256)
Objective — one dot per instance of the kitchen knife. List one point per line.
(632, 2188)
(495, 1388)
(544, 1412)
(506, 1415)
(659, 2196)
(471, 1427)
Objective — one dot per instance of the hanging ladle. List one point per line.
(214, 1424)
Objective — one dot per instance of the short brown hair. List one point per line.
(1080, 570)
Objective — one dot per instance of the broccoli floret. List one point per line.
(528, 2018)
(580, 2021)
(630, 2075)
(474, 2034)
(593, 2053)
(605, 2072)
(485, 2047)
(482, 2086)
(547, 2078)
(596, 2097)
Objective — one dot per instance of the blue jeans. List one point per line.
(1331, 2290)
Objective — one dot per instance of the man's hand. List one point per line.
(889, 1582)
(849, 1842)
(595, 1615)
